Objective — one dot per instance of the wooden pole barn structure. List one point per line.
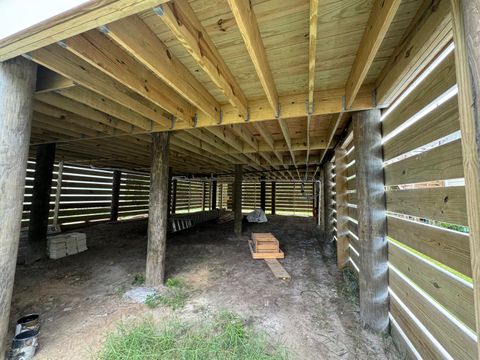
(371, 107)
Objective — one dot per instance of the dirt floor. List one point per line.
(80, 297)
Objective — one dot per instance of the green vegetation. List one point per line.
(225, 337)
(138, 279)
(174, 298)
(459, 228)
(350, 288)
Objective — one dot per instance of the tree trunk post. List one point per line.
(117, 175)
(341, 207)
(17, 86)
(158, 210)
(237, 199)
(263, 193)
(466, 30)
(40, 208)
(372, 225)
(274, 190)
(214, 194)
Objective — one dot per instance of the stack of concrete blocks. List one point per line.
(66, 244)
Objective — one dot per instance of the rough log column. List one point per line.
(158, 210)
(214, 194)
(341, 207)
(466, 32)
(17, 84)
(237, 199)
(373, 277)
(117, 175)
(263, 193)
(328, 200)
(42, 188)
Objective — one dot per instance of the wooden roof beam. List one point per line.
(381, 17)
(48, 80)
(184, 24)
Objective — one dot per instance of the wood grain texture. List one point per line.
(341, 207)
(237, 199)
(158, 211)
(17, 85)
(466, 18)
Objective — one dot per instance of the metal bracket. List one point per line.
(309, 108)
(173, 122)
(247, 119)
(27, 56)
(220, 117)
(104, 29)
(374, 98)
(277, 115)
(195, 120)
(159, 10)
(344, 103)
(62, 44)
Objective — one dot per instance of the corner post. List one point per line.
(158, 210)
(237, 199)
(40, 208)
(373, 277)
(341, 206)
(17, 86)
(466, 27)
(117, 175)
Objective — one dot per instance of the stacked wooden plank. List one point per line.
(66, 244)
(265, 246)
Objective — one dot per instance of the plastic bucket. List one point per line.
(28, 322)
(24, 345)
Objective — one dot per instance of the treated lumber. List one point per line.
(158, 211)
(277, 269)
(237, 199)
(96, 49)
(117, 176)
(184, 24)
(373, 277)
(48, 80)
(72, 22)
(39, 210)
(458, 343)
(17, 86)
(312, 53)
(331, 132)
(430, 32)
(341, 207)
(328, 199)
(467, 50)
(381, 17)
(451, 292)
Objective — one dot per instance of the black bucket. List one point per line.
(24, 345)
(28, 322)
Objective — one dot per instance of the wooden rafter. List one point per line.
(381, 17)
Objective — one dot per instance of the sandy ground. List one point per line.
(79, 297)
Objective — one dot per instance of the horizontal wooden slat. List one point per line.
(453, 294)
(444, 203)
(449, 247)
(438, 82)
(440, 163)
(439, 123)
(457, 342)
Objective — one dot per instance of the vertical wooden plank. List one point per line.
(42, 186)
(158, 210)
(170, 188)
(373, 277)
(204, 196)
(274, 190)
(342, 209)
(321, 201)
(263, 193)
(466, 30)
(328, 200)
(58, 192)
(214, 195)
(237, 199)
(117, 175)
(174, 196)
(17, 85)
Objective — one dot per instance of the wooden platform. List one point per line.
(264, 255)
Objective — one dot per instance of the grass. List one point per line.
(350, 288)
(224, 337)
(174, 298)
(138, 279)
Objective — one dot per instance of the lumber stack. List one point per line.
(265, 246)
(66, 244)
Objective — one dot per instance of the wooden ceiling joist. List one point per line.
(381, 17)
(48, 80)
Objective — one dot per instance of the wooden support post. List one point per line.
(263, 193)
(117, 175)
(341, 207)
(372, 225)
(274, 190)
(320, 202)
(237, 199)
(204, 196)
(170, 188)
(17, 86)
(40, 208)
(158, 210)
(214, 194)
(328, 203)
(174, 196)
(58, 193)
(466, 27)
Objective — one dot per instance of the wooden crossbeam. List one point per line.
(381, 17)
(48, 80)
(184, 24)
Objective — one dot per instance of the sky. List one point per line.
(16, 15)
